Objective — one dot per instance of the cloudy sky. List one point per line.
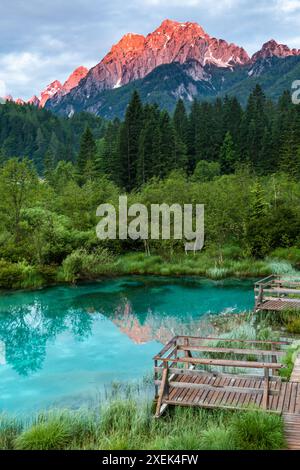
(45, 40)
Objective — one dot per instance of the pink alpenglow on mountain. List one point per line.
(34, 101)
(273, 49)
(134, 56)
(49, 92)
(74, 79)
(8, 98)
(56, 88)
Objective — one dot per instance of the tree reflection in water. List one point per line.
(25, 331)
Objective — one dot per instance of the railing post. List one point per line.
(266, 389)
(260, 296)
(164, 389)
(186, 353)
(274, 360)
(155, 378)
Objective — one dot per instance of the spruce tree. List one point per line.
(129, 142)
(227, 154)
(167, 145)
(180, 121)
(86, 159)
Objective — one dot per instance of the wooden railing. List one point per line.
(177, 359)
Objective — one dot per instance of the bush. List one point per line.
(10, 274)
(291, 254)
(257, 430)
(19, 275)
(84, 265)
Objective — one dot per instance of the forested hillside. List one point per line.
(27, 131)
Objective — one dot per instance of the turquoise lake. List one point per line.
(63, 346)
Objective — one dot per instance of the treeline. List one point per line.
(26, 131)
(214, 137)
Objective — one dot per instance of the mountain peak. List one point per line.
(175, 27)
(74, 78)
(130, 42)
(272, 48)
(50, 91)
(135, 56)
(34, 100)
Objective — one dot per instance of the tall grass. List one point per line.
(126, 424)
(212, 263)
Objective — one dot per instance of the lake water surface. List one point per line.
(63, 346)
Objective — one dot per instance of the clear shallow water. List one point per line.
(63, 345)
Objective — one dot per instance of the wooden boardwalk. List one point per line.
(292, 419)
(277, 293)
(286, 400)
(204, 372)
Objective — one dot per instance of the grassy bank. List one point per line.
(123, 425)
(83, 265)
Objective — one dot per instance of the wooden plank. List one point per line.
(279, 305)
(292, 404)
(281, 290)
(295, 376)
(292, 430)
(178, 371)
(176, 391)
(185, 387)
(287, 398)
(166, 348)
(217, 383)
(200, 397)
(254, 352)
(191, 390)
(227, 363)
(266, 389)
(297, 407)
(233, 340)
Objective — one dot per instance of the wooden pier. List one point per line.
(277, 293)
(192, 371)
(210, 373)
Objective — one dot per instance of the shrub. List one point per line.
(291, 254)
(257, 430)
(10, 274)
(84, 265)
(18, 275)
